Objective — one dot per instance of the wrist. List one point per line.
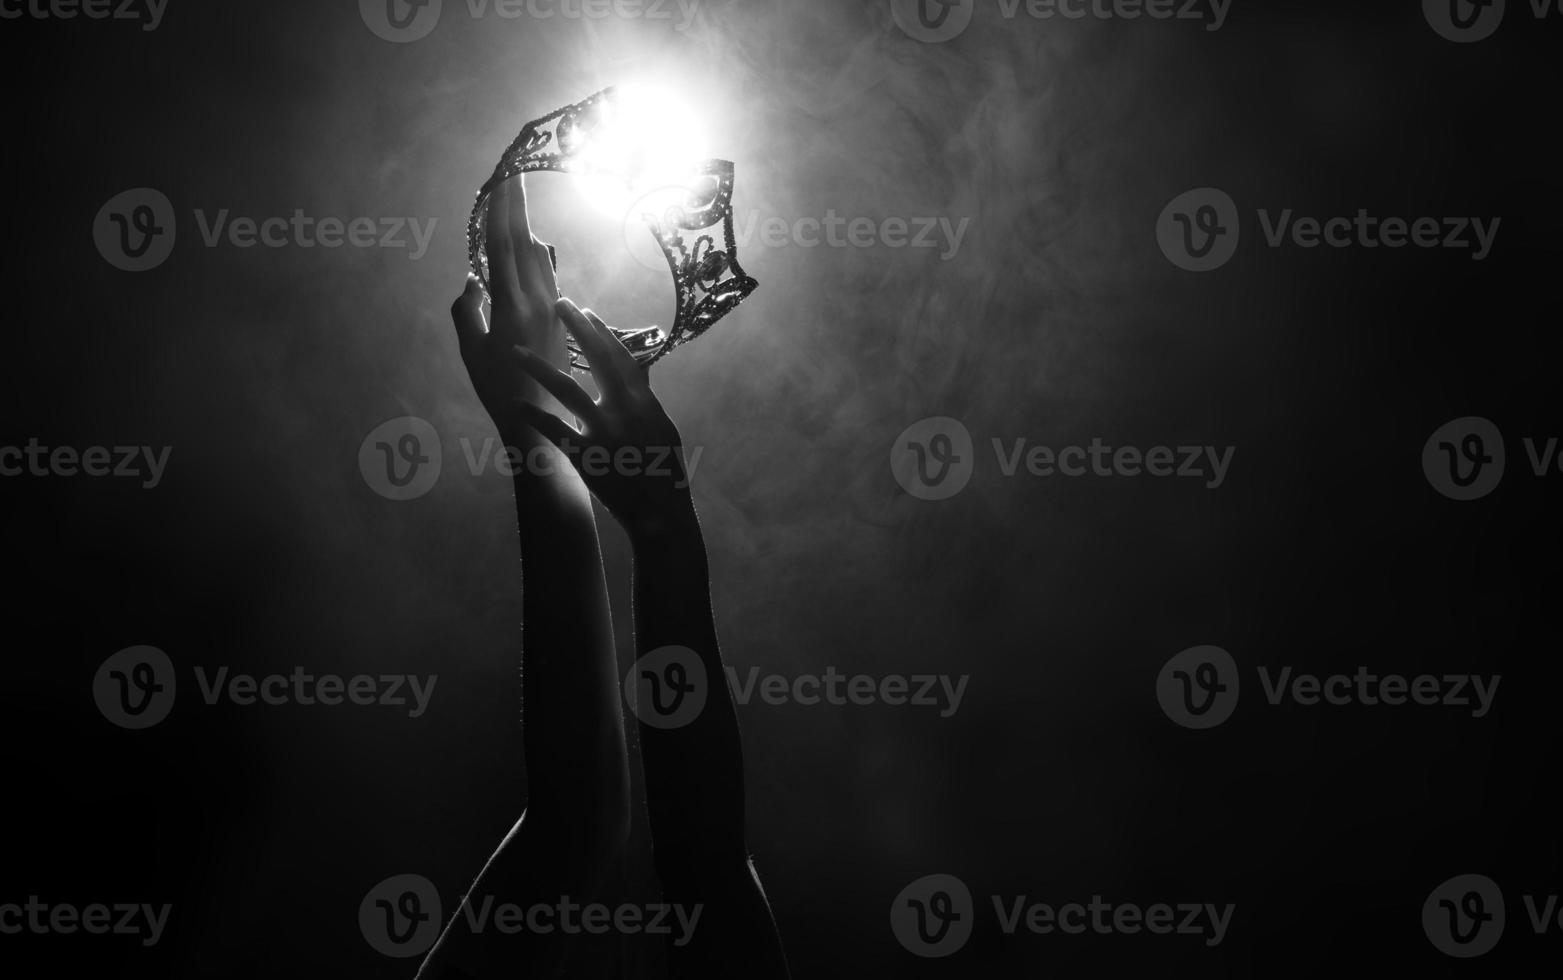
(673, 523)
(525, 456)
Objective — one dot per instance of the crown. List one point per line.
(590, 137)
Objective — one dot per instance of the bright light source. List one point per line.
(650, 138)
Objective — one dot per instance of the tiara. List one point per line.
(707, 279)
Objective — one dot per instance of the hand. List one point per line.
(523, 293)
(627, 450)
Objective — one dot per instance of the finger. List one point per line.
(467, 314)
(533, 265)
(599, 355)
(575, 399)
(621, 354)
(503, 285)
(548, 425)
(541, 278)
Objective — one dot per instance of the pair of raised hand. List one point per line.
(626, 449)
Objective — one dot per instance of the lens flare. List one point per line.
(649, 138)
(633, 145)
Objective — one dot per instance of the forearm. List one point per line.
(576, 816)
(574, 728)
(694, 773)
(697, 803)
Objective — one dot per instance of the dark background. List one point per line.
(1058, 321)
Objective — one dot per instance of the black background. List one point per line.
(1059, 320)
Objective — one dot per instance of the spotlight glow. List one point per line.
(650, 138)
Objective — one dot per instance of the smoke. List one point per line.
(794, 400)
(1016, 149)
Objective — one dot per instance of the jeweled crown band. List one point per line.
(707, 279)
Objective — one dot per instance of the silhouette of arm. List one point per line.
(694, 772)
(577, 813)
